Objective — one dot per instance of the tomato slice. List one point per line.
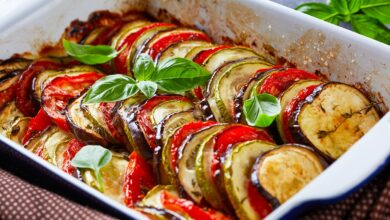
(144, 120)
(120, 61)
(74, 146)
(175, 37)
(107, 109)
(259, 203)
(36, 125)
(233, 135)
(187, 207)
(24, 98)
(138, 180)
(203, 55)
(182, 134)
(277, 82)
(56, 95)
(290, 108)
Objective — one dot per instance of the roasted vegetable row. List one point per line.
(173, 155)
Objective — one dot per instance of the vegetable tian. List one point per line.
(161, 119)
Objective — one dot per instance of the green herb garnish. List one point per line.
(367, 17)
(175, 75)
(261, 110)
(93, 157)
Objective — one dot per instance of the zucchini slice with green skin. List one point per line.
(226, 86)
(196, 50)
(245, 93)
(8, 116)
(166, 108)
(18, 129)
(186, 163)
(153, 197)
(181, 49)
(160, 214)
(164, 135)
(126, 30)
(113, 175)
(333, 118)
(60, 152)
(280, 173)
(236, 175)
(289, 94)
(51, 145)
(38, 141)
(80, 125)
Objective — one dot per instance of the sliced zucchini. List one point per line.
(226, 86)
(160, 214)
(52, 143)
(8, 116)
(18, 129)
(59, 155)
(12, 65)
(38, 141)
(113, 175)
(80, 125)
(181, 49)
(166, 108)
(196, 50)
(236, 174)
(126, 30)
(226, 55)
(187, 157)
(333, 118)
(246, 92)
(153, 197)
(287, 96)
(281, 173)
(162, 153)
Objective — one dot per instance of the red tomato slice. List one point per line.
(187, 207)
(175, 37)
(74, 147)
(290, 108)
(203, 55)
(36, 125)
(233, 135)
(182, 134)
(56, 95)
(24, 98)
(120, 61)
(138, 180)
(277, 82)
(143, 116)
(258, 202)
(106, 108)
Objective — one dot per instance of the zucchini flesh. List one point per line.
(160, 214)
(236, 174)
(126, 30)
(284, 171)
(8, 116)
(180, 49)
(166, 108)
(38, 141)
(187, 157)
(162, 155)
(18, 129)
(289, 95)
(229, 85)
(196, 50)
(333, 118)
(52, 143)
(113, 175)
(153, 197)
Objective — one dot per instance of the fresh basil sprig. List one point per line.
(93, 157)
(175, 75)
(261, 110)
(90, 54)
(367, 17)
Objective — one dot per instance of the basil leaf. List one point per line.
(111, 88)
(261, 110)
(89, 54)
(354, 5)
(379, 9)
(179, 75)
(370, 27)
(321, 11)
(340, 6)
(144, 67)
(148, 88)
(93, 157)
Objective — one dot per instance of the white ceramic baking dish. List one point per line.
(309, 43)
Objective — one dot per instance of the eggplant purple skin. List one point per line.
(239, 99)
(143, 147)
(119, 123)
(157, 154)
(256, 183)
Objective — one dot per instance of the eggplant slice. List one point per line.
(281, 173)
(236, 174)
(333, 118)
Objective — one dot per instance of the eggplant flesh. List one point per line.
(333, 118)
(282, 172)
